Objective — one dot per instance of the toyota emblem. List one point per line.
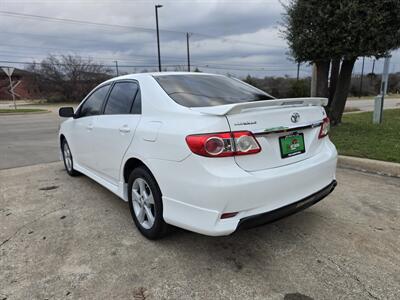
(295, 117)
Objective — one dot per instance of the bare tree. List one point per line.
(68, 78)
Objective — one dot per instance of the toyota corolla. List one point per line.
(203, 152)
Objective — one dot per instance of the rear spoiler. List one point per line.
(229, 109)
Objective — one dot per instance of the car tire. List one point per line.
(68, 159)
(145, 204)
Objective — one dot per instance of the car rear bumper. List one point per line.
(271, 216)
(197, 191)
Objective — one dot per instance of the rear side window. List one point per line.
(137, 104)
(94, 103)
(208, 90)
(121, 98)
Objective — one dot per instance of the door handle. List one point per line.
(124, 129)
(89, 127)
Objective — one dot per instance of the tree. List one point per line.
(328, 32)
(68, 78)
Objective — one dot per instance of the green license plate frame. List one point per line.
(292, 144)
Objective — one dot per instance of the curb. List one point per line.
(25, 113)
(369, 165)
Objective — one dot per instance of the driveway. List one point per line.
(69, 238)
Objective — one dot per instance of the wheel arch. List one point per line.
(62, 138)
(131, 164)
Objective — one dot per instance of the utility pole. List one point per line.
(116, 67)
(158, 37)
(298, 70)
(361, 79)
(378, 110)
(373, 67)
(313, 92)
(188, 52)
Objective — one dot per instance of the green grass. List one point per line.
(390, 96)
(20, 110)
(357, 136)
(351, 109)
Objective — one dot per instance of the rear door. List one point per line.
(115, 128)
(276, 130)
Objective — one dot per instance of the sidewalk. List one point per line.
(368, 105)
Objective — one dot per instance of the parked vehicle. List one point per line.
(204, 152)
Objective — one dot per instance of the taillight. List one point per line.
(325, 126)
(223, 144)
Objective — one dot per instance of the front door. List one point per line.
(82, 129)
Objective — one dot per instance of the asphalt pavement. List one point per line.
(28, 139)
(69, 238)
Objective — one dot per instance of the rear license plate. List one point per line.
(292, 145)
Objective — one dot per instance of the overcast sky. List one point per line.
(239, 37)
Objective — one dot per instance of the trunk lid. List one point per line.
(269, 121)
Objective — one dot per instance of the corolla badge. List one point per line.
(295, 117)
(246, 123)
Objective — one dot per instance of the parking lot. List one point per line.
(66, 237)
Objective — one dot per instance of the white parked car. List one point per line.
(204, 152)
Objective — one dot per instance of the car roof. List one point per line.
(139, 76)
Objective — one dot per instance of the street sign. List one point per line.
(8, 71)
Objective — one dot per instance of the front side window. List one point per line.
(121, 98)
(208, 90)
(94, 103)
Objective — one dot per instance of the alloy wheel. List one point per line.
(143, 203)
(67, 157)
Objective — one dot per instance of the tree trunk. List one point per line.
(322, 77)
(342, 90)
(335, 68)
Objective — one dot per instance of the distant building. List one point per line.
(24, 82)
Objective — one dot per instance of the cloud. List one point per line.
(237, 36)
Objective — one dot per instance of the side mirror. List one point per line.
(66, 112)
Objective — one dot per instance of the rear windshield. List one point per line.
(208, 90)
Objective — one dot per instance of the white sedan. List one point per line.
(203, 152)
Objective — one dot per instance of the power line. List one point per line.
(123, 59)
(66, 20)
(99, 65)
(243, 69)
(237, 66)
(154, 66)
(129, 58)
(69, 37)
(74, 50)
(50, 19)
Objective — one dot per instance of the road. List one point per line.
(69, 238)
(28, 139)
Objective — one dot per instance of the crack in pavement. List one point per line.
(340, 268)
(344, 220)
(27, 224)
